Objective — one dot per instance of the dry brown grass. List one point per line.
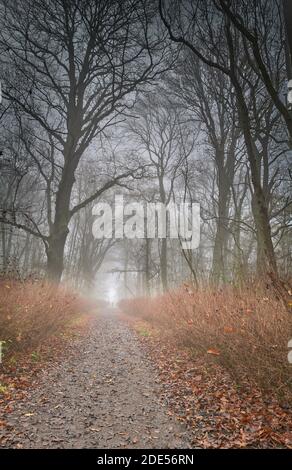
(245, 329)
(31, 312)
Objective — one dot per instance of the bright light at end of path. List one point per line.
(112, 296)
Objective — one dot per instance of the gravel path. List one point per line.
(104, 396)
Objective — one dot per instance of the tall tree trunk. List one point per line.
(239, 263)
(163, 253)
(147, 266)
(25, 264)
(59, 229)
(55, 256)
(163, 264)
(225, 171)
(218, 264)
(266, 261)
(219, 253)
(261, 215)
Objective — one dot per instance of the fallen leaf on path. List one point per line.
(214, 351)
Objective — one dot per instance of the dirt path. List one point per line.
(104, 396)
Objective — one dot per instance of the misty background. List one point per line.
(160, 102)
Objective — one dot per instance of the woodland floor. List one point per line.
(103, 394)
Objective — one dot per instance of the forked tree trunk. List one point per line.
(267, 263)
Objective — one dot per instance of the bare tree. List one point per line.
(211, 102)
(213, 37)
(74, 67)
(163, 137)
